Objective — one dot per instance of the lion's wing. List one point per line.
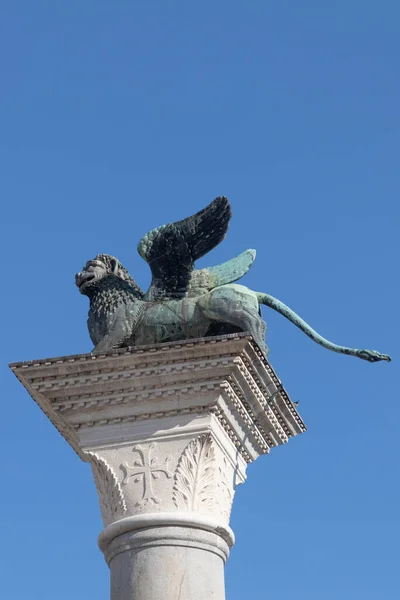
(204, 280)
(171, 250)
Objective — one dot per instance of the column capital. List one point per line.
(167, 428)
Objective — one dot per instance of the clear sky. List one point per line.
(116, 117)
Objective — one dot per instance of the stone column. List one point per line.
(168, 431)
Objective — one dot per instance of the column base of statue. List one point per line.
(166, 556)
(168, 431)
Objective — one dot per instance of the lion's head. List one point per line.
(100, 267)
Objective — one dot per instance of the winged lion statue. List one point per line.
(183, 302)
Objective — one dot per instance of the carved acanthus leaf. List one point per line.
(112, 503)
(194, 486)
(225, 493)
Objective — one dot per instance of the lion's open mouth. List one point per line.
(84, 278)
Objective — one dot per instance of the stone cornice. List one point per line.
(225, 376)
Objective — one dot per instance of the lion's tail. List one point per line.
(275, 304)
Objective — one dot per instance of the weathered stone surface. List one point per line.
(168, 563)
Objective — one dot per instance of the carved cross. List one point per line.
(144, 470)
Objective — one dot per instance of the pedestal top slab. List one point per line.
(227, 376)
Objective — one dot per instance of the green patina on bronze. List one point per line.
(182, 302)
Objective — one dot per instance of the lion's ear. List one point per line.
(114, 265)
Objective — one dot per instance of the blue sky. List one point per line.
(116, 117)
